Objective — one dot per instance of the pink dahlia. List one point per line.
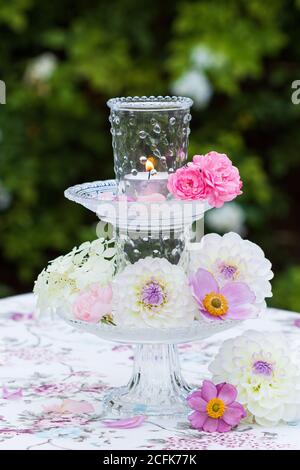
(220, 177)
(188, 183)
(93, 304)
(233, 301)
(215, 407)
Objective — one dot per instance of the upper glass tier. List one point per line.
(150, 141)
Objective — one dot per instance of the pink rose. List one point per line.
(187, 183)
(220, 176)
(93, 304)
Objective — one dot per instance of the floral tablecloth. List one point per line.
(45, 362)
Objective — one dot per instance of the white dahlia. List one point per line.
(230, 258)
(266, 374)
(153, 292)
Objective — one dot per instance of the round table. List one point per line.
(45, 362)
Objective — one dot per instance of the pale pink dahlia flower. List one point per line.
(215, 407)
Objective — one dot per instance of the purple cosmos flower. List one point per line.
(215, 407)
(233, 301)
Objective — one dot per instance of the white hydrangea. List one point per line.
(59, 283)
(266, 373)
(153, 293)
(230, 258)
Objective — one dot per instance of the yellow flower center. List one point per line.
(215, 304)
(215, 408)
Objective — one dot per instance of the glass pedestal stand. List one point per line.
(156, 386)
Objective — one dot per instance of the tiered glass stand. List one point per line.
(156, 386)
(150, 142)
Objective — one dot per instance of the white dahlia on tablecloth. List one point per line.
(229, 258)
(153, 293)
(265, 372)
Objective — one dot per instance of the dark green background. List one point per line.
(55, 132)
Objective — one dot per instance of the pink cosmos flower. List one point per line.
(188, 183)
(233, 301)
(220, 176)
(93, 304)
(215, 407)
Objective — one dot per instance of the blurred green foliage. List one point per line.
(54, 127)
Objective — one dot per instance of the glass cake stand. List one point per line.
(156, 386)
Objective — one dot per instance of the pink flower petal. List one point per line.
(240, 407)
(237, 293)
(77, 407)
(210, 425)
(223, 427)
(11, 394)
(70, 406)
(197, 419)
(128, 423)
(219, 386)
(52, 409)
(232, 415)
(227, 393)
(196, 402)
(202, 283)
(212, 317)
(242, 312)
(208, 390)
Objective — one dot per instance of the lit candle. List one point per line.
(150, 181)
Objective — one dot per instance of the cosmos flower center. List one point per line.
(215, 304)
(262, 368)
(228, 271)
(215, 408)
(153, 294)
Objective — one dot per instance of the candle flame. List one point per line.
(150, 164)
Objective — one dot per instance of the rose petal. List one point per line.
(227, 393)
(128, 423)
(208, 390)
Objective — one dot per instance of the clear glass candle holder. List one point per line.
(150, 141)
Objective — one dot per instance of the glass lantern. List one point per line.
(150, 141)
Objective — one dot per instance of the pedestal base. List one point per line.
(156, 386)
